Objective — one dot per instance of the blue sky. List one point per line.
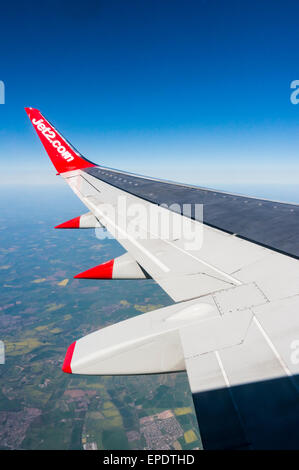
(195, 91)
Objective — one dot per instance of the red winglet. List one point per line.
(73, 223)
(68, 359)
(63, 155)
(103, 271)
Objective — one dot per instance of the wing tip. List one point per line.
(62, 154)
(29, 109)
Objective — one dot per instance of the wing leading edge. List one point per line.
(234, 327)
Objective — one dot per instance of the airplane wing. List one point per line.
(230, 264)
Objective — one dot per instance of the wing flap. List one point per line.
(246, 395)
